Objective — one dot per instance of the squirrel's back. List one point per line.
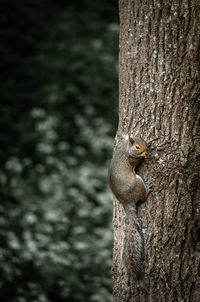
(120, 173)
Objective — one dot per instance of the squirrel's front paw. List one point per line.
(149, 187)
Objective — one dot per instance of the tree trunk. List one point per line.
(158, 100)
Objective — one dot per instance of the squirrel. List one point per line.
(129, 188)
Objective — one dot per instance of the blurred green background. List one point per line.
(58, 119)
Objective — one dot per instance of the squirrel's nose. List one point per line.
(145, 153)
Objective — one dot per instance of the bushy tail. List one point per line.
(132, 243)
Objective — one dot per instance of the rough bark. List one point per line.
(159, 80)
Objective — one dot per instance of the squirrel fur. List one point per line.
(129, 188)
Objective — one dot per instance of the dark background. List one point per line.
(58, 119)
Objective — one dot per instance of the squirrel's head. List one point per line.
(137, 147)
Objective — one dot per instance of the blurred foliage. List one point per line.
(58, 116)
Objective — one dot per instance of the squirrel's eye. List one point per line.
(137, 147)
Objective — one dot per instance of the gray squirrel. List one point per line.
(129, 188)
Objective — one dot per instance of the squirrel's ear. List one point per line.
(131, 140)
